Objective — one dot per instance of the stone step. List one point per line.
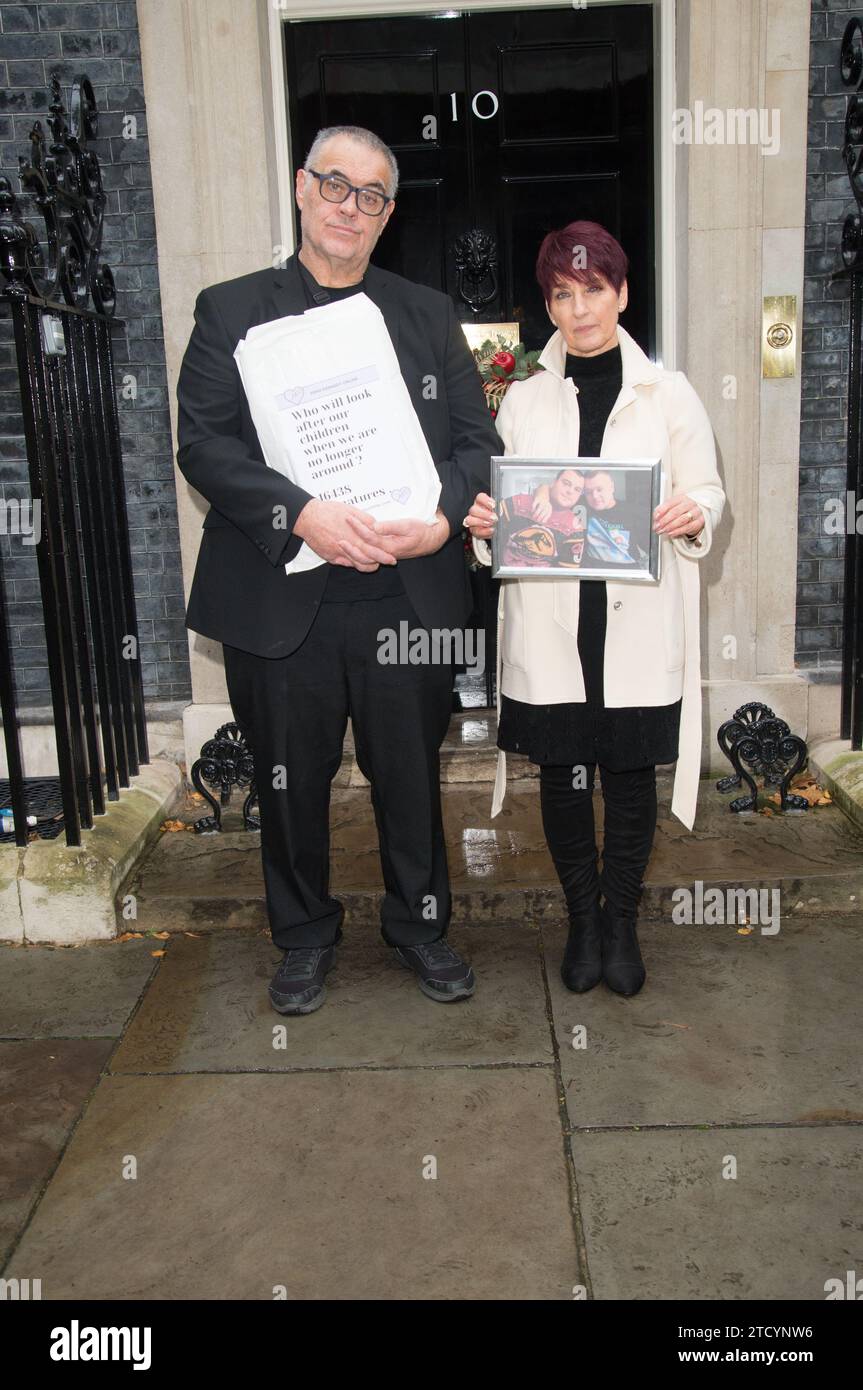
(501, 870)
(468, 754)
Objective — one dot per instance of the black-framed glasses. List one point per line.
(337, 190)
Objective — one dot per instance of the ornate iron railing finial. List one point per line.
(851, 67)
(65, 181)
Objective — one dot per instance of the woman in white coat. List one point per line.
(595, 672)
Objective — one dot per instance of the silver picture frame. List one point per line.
(609, 534)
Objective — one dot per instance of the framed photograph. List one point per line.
(587, 518)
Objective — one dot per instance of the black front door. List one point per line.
(511, 122)
(507, 123)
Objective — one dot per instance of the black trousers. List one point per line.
(293, 711)
(630, 825)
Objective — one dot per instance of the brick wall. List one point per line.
(820, 565)
(100, 40)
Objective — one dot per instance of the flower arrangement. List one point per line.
(500, 365)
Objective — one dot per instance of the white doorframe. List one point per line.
(274, 13)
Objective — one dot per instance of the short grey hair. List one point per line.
(363, 137)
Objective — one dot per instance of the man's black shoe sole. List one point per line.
(451, 997)
(312, 1004)
(308, 1008)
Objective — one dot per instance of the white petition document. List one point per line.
(333, 413)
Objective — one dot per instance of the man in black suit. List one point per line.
(301, 650)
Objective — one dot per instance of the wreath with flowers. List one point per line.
(499, 365)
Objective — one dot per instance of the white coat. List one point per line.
(652, 645)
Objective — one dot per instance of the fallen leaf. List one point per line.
(157, 953)
(130, 936)
(808, 789)
(195, 934)
(162, 935)
(669, 1024)
(173, 825)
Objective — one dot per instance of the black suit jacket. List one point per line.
(240, 593)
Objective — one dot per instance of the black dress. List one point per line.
(588, 732)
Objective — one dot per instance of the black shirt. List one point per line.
(580, 732)
(599, 380)
(344, 583)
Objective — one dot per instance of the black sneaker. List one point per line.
(298, 985)
(441, 972)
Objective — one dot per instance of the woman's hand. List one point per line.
(679, 516)
(482, 517)
(542, 508)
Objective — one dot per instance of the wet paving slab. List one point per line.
(43, 1087)
(736, 1048)
(339, 1185)
(208, 1009)
(72, 991)
(729, 1029)
(751, 1213)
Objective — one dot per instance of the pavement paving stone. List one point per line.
(72, 991)
(43, 1087)
(314, 1183)
(727, 1029)
(662, 1222)
(208, 1009)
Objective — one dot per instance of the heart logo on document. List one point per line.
(294, 394)
(400, 494)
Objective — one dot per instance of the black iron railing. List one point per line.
(61, 309)
(851, 59)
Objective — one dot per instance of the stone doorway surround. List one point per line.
(731, 231)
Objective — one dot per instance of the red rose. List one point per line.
(504, 360)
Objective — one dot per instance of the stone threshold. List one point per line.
(59, 893)
(500, 868)
(839, 768)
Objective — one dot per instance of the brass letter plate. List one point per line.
(779, 336)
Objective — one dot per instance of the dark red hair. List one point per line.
(559, 259)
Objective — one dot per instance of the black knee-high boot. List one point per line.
(630, 825)
(567, 818)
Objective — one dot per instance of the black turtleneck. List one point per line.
(599, 380)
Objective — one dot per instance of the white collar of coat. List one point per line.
(637, 366)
